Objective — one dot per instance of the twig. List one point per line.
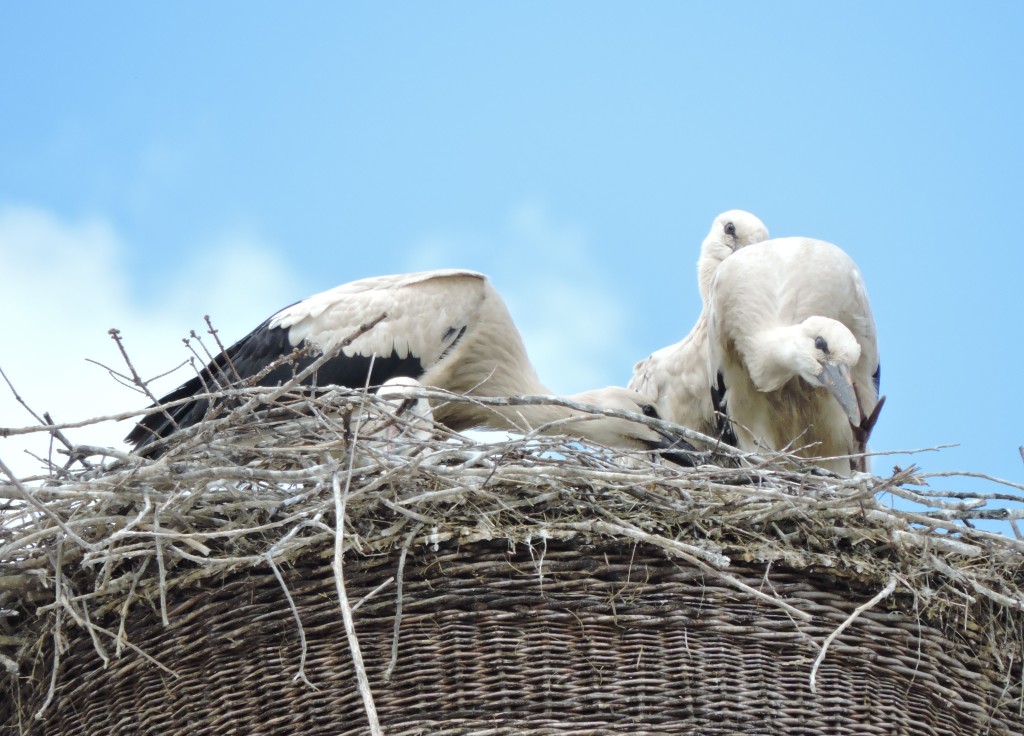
(346, 612)
(31, 499)
(965, 474)
(158, 543)
(686, 552)
(399, 575)
(301, 674)
(125, 457)
(18, 398)
(64, 440)
(220, 346)
(136, 378)
(58, 584)
(46, 420)
(121, 638)
(880, 596)
(383, 584)
(141, 652)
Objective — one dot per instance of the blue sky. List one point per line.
(161, 163)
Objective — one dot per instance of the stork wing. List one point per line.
(676, 378)
(422, 315)
(645, 377)
(400, 325)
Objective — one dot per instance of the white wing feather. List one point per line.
(418, 309)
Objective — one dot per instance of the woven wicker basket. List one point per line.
(532, 587)
(556, 638)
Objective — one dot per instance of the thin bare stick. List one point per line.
(687, 553)
(363, 681)
(965, 474)
(136, 378)
(98, 451)
(880, 596)
(18, 398)
(121, 638)
(45, 419)
(398, 602)
(31, 499)
(158, 542)
(58, 586)
(220, 346)
(55, 431)
(371, 594)
(301, 674)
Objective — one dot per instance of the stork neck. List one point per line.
(771, 356)
(706, 268)
(699, 330)
(712, 253)
(548, 418)
(527, 417)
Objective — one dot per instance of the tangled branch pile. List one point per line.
(82, 549)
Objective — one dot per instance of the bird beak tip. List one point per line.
(675, 450)
(836, 378)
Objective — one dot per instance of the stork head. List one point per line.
(624, 433)
(824, 354)
(730, 231)
(402, 413)
(398, 388)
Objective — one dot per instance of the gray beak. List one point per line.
(674, 449)
(836, 378)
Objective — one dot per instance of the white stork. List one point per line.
(676, 377)
(792, 341)
(448, 329)
(399, 417)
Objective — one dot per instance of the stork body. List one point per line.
(448, 329)
(401, 419)
(792, 341)
(676, 376)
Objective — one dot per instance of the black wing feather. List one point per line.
(249, 357)
(723, 427)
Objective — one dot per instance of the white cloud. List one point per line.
(63, 286)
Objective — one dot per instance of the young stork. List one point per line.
(676, 377)
(399, 418)
(448, 329)
(792, 341)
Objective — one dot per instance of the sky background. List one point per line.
(160, 163)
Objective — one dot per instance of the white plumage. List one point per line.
(448, 329)
(676, 377)
(399, 418)
(792, 338)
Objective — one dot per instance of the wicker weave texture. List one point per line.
(548, 639)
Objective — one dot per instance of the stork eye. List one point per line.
(649, 411)
(730, 229)
(820, 344)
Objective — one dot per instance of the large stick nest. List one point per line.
(262, 485)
